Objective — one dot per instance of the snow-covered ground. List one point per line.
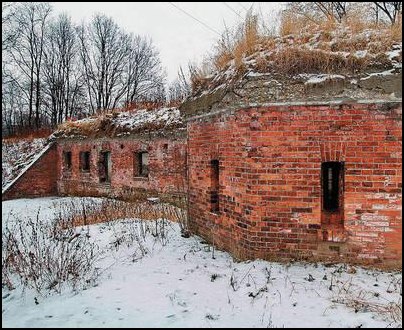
(181, 282)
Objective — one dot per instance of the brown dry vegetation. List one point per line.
(230, 48)
(29, 135)
(304, 45)
(295, 60)
(104, 124)
(87, 212)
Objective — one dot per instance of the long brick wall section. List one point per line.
(270, 190)
(39, 180)
(255, 181)
(166, 167)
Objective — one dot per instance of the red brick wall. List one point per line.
(167, 167)
(270, 181)
(39, 180)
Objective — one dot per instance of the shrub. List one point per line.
(46, 257)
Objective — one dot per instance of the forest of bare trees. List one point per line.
(53, 70)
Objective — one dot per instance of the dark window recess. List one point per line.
(331, 173)
(104, 166)
(67, 160)
(141, 164)
(85, 161)
(214, 193)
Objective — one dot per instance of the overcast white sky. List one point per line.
(178, 37)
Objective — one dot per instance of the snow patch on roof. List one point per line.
(319, 78)
(394, 53)
(165, 116)
(361, 53)
(27, 167)
(379, 74)
(257, 74)
(123, 123)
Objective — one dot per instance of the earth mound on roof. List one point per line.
(316, 66)
(120, 124)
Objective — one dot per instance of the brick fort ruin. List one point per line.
(271, 169)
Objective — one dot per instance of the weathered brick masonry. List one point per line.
(166, 166)
(131, 154)
(281, 181)
(39, 180)
(270, 189)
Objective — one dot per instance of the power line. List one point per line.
(228, 6)
(243, 6)
(196, 19)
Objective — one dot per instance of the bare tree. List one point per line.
(144, 74)
(391, 9)
(118, 67)
(27, 55)
(103, 50)
(318, 11)
(180, 88)
(9, 30)
(62, 77)
(332, 10)
(12, 108)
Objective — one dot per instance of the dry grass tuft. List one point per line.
(292, 23)
(295, 60)
(396, 30)
(305, 44)
(90, 212)
(85, 127)
(238, 45)
(392, 310)
(248, 40)
(222, 59)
